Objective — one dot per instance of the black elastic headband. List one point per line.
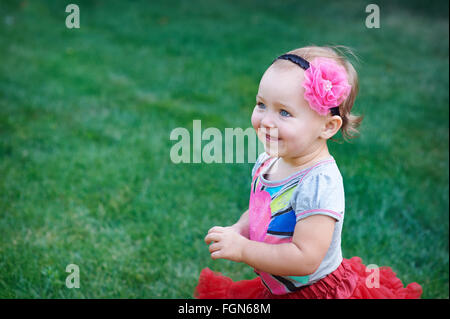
(295, 59)
(304, 65)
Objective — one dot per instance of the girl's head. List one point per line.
(293, 115)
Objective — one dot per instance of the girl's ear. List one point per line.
(331, 127)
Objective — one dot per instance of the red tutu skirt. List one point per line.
(348, 281)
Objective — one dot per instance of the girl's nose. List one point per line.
(267, 121)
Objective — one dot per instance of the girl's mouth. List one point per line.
(271, 138)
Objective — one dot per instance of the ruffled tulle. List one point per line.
(349, 281)
(390, 286)
(214, 285)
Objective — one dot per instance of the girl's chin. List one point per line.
(272, 150)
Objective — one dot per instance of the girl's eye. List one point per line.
(285, 113)
(261, 105)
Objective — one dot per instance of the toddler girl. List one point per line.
(291, 233)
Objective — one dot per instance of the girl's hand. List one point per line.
(227, 243)
(239, 229)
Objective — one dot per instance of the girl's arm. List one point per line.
(310, 242)
(241, 226)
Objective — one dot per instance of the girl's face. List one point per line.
(282, 118)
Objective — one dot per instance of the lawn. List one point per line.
(86, 114)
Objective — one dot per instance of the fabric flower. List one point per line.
(259, 214)
(326, 85)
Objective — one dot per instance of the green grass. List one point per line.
(85, 118)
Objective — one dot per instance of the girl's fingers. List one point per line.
(216, 229)
(216, 254)
(214, 247)
(212, 237)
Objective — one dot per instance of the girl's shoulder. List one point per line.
(324, 170)
(320, 191)
(321, 177)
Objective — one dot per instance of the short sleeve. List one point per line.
(260, 160)
(320, 193)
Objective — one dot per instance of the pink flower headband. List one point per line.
(326, 85)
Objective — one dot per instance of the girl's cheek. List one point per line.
(255, 120)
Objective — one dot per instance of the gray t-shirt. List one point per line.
(315, 190)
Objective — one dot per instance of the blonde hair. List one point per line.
(350, 122)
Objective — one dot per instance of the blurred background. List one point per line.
(85, 118)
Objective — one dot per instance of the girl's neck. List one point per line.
(304, 161)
